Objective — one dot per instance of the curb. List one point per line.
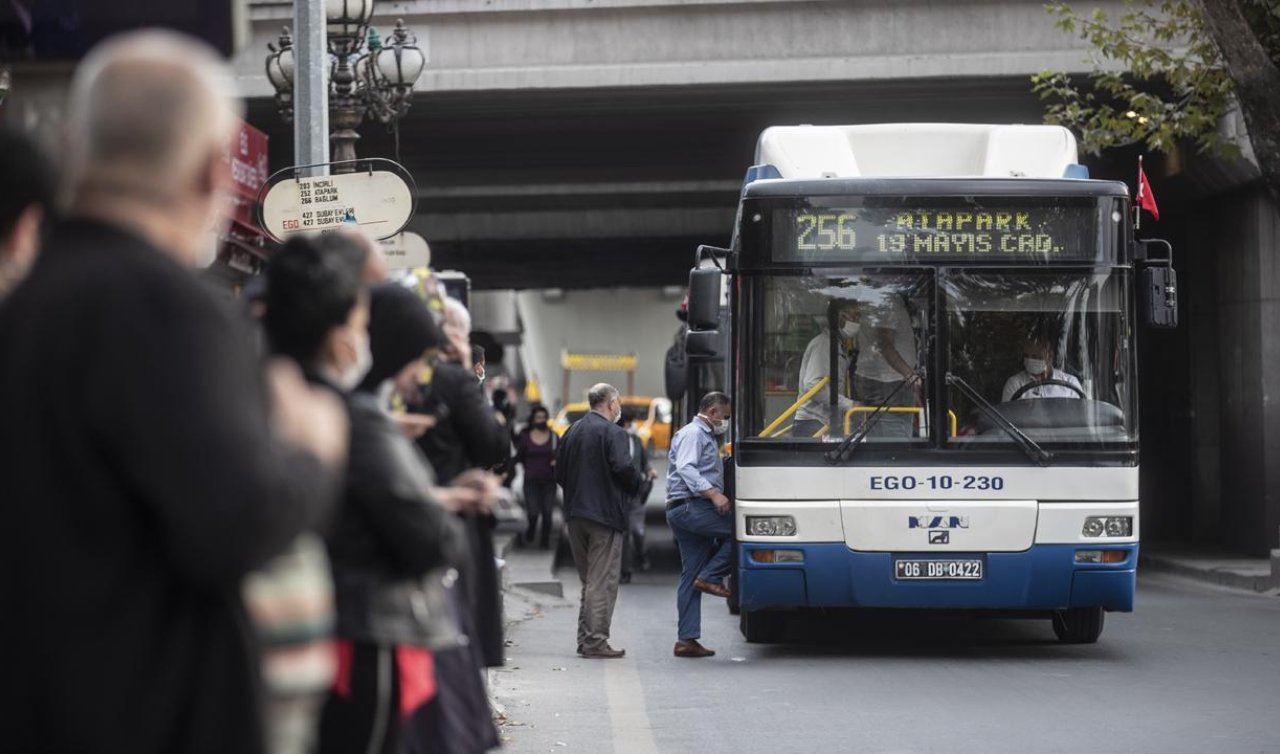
(1227, 577)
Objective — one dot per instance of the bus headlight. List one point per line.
(1120, 526)
(1111, 526)
(771, 526)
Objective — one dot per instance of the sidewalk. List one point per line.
(1214, 566)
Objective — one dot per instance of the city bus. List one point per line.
(931, 353)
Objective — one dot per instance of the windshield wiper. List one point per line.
(839, 453)
(1033, 450)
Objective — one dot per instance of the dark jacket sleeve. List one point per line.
(486, 441)
(388, 481)
(182, 413)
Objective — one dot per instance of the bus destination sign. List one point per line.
(879, 235)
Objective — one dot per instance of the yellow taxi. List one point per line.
(652, 418)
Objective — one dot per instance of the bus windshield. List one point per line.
(1047, 349)
(812, 388)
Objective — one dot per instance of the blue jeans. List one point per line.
(705, 539)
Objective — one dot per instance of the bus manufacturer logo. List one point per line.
(940, 537)
(937, 522)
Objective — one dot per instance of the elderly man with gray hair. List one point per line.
(145, 470)
(593, 465)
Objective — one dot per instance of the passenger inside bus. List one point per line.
(886, 359)
(1039, 378)
(813, 416)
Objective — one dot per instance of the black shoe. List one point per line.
(624, 578)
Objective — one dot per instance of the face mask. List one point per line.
(1035, 367)
(363, 363)
(540, 424)
(850, 329)
(717, 428)
(480, 377)
(617, 415)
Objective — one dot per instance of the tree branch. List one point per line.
(1257, 83)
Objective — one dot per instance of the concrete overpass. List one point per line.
(573, 143)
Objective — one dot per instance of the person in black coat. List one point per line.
(144, 472)
(27, 189)
(466, 435)
(594, 467)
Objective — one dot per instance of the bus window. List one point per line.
(880, 349)
(1047, 350)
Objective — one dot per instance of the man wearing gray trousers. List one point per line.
(594, 466)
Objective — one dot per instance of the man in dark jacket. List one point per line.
(142, 475)
(595, 469)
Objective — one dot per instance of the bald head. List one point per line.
(147, 110)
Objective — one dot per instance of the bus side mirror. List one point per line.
(705, 343)
(704, 298)
(1160, 296)
(1158, 283)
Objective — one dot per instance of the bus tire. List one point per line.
(761, 626)
(1078, 625)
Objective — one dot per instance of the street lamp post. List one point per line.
(366, 77)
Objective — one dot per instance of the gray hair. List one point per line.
(146, 111)
(600, 394)
(456, 315)
(712, 400)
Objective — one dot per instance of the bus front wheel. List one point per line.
(761, 626)
(1078, 625)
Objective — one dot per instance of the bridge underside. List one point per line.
(603, 187)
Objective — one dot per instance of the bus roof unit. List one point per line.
(918, 150)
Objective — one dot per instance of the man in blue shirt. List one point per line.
(698, 513)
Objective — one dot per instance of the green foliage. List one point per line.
(1157, 79)
(1264, 18)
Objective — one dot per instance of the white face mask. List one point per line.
(850, 329)
(718, 428)
(617, 415)
(352, 375)
(1034, 367)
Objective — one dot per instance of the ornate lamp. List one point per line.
(365, 75)
(280, 73)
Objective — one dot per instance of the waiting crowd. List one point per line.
(269, 527)
(263, 530)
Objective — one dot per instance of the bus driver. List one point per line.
(1037, 368)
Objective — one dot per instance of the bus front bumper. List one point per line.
(1044, 577)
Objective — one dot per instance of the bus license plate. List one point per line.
(949, 570)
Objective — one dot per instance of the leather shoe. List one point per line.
(692, 648)
(716, 590)
(603, 653)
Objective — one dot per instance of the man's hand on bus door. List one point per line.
(720, 502)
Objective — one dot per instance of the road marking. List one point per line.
(632, 731)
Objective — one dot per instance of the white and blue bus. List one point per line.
(969, 437)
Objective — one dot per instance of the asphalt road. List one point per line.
(1194, 669)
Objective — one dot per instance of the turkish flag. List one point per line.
(1146, 199)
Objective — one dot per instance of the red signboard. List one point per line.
(249, 170)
